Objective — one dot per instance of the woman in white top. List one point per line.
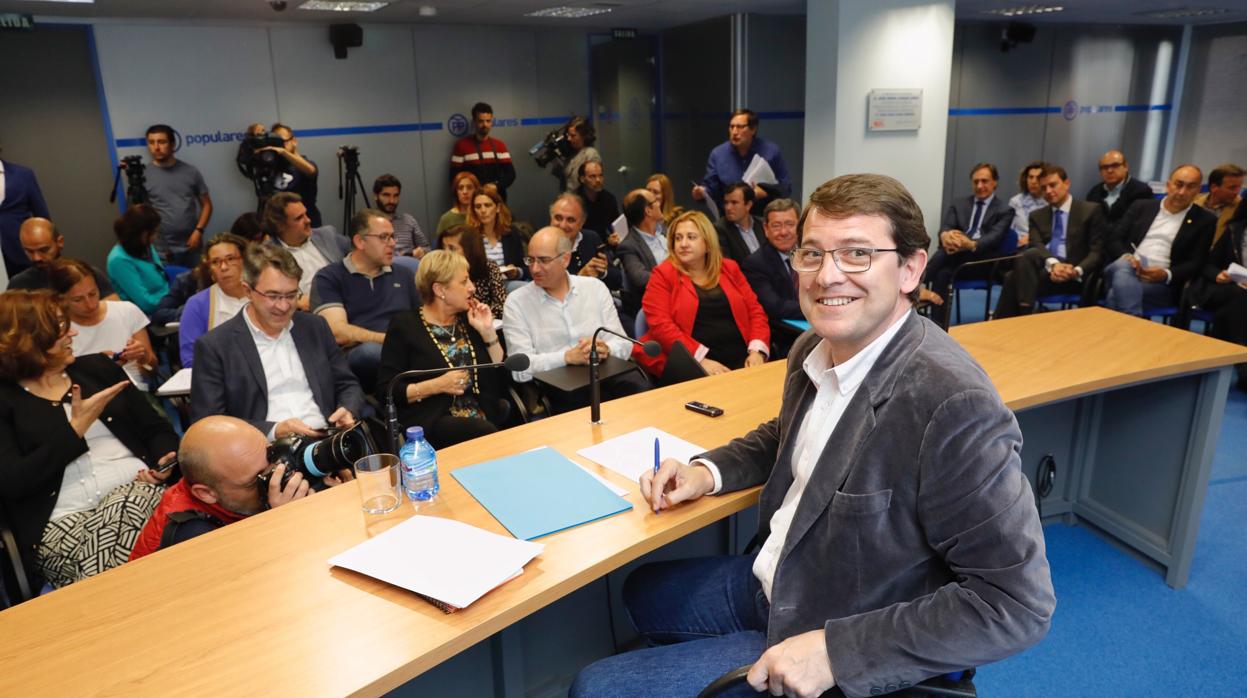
(219, 302)
(117, 329)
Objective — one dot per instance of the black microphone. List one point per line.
(651, 348)
(515, 363)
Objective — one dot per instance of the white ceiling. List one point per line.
(640, 14)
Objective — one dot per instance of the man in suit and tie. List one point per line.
(289, 226)
(900, 539)
(1159, 246)
(740, 233)
(973, 228)
(1065, 247)
(644, 249)
(20, 198)
(770, 273)
(270, 365)
(1117, 190)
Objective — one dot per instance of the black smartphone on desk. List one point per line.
(703, 408)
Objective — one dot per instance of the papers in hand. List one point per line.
(711, 206)
(179, 384)
(1237, 272)
(451, 563)
(620, 227)
(759, 172)
(633, 453)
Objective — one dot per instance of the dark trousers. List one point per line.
(1228, 303)
(622, 385)
(1028, 281)
(939, 275)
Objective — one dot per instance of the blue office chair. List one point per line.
(956, 685)
(173, 271)
(993, 265)
(640, 326)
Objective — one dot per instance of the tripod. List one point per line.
(349, 184)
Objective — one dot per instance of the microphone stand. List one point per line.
(595, 382)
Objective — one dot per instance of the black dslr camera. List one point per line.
(553, 147)
(263, 167)
(136, 183)
(316, 458)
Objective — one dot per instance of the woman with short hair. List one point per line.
(451, 329)
(222, 264)
(78, 445)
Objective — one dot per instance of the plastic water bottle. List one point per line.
(419, 464)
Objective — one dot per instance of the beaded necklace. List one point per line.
(454, 331)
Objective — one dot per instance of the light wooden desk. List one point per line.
(256, 606)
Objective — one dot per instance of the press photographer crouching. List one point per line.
(230, 472)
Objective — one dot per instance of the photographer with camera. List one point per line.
(270, 365)
(296, 173)
(568, 147)
(224, 461)
(179, 194)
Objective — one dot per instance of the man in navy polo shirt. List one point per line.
(358, 295)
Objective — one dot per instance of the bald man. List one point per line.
(221, 459)
(1159, 246)
(1117, 190)
(43, 244)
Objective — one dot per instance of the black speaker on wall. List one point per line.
(344, 36)
(1016, 33)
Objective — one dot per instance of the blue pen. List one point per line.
(657, 455)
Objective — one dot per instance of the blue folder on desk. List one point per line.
(536, 493)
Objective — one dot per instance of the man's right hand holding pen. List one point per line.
(675, 482)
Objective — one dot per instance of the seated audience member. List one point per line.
(272, 366)
(740, 234)
(410, 240)
(1028, 200)
(491, 287)
(288, 226)
(249, 227)
(660, 186)
(553, 319)
(219, 302)
(589, 254)
(703, 301)
(492, 218)
(80, 445)
(452, 328)
(1225, 183)
(601, 206)
(1117, 190)
(133, 264)
(973, 228)
(221, 459)
(643, 249)
(463, 188)
(116, 329)
(1159, 246)
(771, 276)
(1226, 298)
(899, 538)
(1065, 247)
(358, 295)
(44, 244)
(580, 136)
(183, 286)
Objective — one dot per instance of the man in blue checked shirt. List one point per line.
(729, 160)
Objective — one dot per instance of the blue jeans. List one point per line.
(1128, 293)
(702, 618)
(364, 360)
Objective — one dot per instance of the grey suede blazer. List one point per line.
(916, 546)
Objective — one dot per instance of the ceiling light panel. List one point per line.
(1184, 12)
(1024, 10)
(342, 6)
(569, 12)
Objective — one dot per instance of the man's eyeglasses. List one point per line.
(530, 261)
(1112, 165)
(850, 260)
(272, 297)
(225, 261)
(385, 239)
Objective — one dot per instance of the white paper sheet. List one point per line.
(178, 384)
(441, 558)
(1238, 273)
(759, 172)
(633, 453)
(620, 227)
(711, 206)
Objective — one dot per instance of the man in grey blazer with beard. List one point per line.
(900, 537)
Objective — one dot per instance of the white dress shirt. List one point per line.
(224, 306)
(289, 394)
(836, 387)
(543, 327)
(747, 234)
(310, 261)
(1157, 245)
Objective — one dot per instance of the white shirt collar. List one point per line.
(851, 373)
(260, 335)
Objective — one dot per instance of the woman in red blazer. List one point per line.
(702, 300)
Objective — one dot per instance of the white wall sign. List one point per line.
(894, 110)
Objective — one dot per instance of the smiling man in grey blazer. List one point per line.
(900, 537)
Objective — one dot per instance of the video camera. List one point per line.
(261, 166)
(136, 183)
(554, 147)
(316, 458)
